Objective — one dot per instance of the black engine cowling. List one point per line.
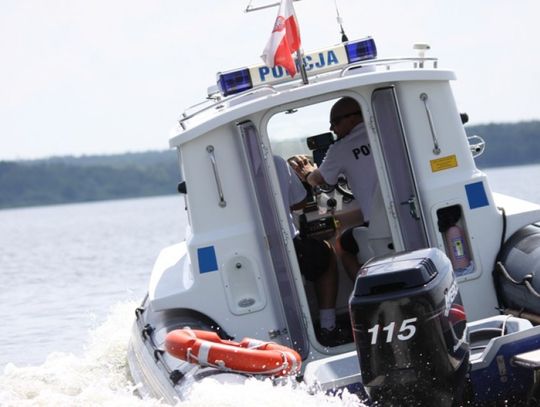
(409, 328)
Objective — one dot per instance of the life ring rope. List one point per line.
(220, 364)
(250, 356)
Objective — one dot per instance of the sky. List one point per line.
(81, 77)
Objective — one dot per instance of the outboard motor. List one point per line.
(409, 327)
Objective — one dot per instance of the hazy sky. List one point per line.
(110, 76)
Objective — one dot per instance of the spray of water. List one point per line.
(100, 377)
(262, 394)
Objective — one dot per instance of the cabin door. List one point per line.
(259, 161)
(398, 167)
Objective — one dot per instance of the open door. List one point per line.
(399, 169)
(274, 233)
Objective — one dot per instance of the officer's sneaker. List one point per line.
(335, 337)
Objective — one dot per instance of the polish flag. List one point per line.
(285, 39)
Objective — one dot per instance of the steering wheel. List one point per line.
(326, 188)
(344, 189)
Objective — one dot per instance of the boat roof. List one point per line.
(219, 110)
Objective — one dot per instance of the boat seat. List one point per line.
(375, 240)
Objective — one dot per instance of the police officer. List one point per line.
(351, 156)
(316, 259)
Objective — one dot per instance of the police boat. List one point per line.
(445, 306)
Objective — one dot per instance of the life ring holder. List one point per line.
(249, 356)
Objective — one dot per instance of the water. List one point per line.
(520, 182)
(64, 266)
(71, 276)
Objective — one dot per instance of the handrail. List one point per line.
(388, 61)
(210, 148)
(225, 100)
(436, 148)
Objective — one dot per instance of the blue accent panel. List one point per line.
(207, 259)
(476, 194)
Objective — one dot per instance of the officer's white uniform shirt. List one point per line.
(352, 157)
(292, 189)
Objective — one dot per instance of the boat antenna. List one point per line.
(340, 22)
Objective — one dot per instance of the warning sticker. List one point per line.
(444, 163)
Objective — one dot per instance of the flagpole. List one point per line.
(302, 65)
(250, 8)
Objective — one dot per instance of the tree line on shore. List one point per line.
(92, 178)
(89, 178)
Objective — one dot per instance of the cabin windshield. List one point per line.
(289, 130)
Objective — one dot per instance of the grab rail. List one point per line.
(219, 102)
(222, 203)
(390, 61)
(436, 148)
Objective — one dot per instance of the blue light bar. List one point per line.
(234, 82)
(361, 50)
(316, 62)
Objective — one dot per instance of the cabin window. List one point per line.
(305, 131)
(289, 130)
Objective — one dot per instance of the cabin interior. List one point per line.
(303, 129)
(328, 209)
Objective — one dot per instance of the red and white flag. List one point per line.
(285, 39)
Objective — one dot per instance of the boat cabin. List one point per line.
(239, 268)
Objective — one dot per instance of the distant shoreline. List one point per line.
(69, 179)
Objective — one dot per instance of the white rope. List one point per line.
(204, 350)
(189, 331)
(503, 327)
(191, 357)
(253, 344)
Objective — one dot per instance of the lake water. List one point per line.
(71, 276)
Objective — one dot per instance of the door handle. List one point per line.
(413, 206)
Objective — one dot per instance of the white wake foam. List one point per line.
(100, 377)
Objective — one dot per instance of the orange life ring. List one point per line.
(248, 356)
